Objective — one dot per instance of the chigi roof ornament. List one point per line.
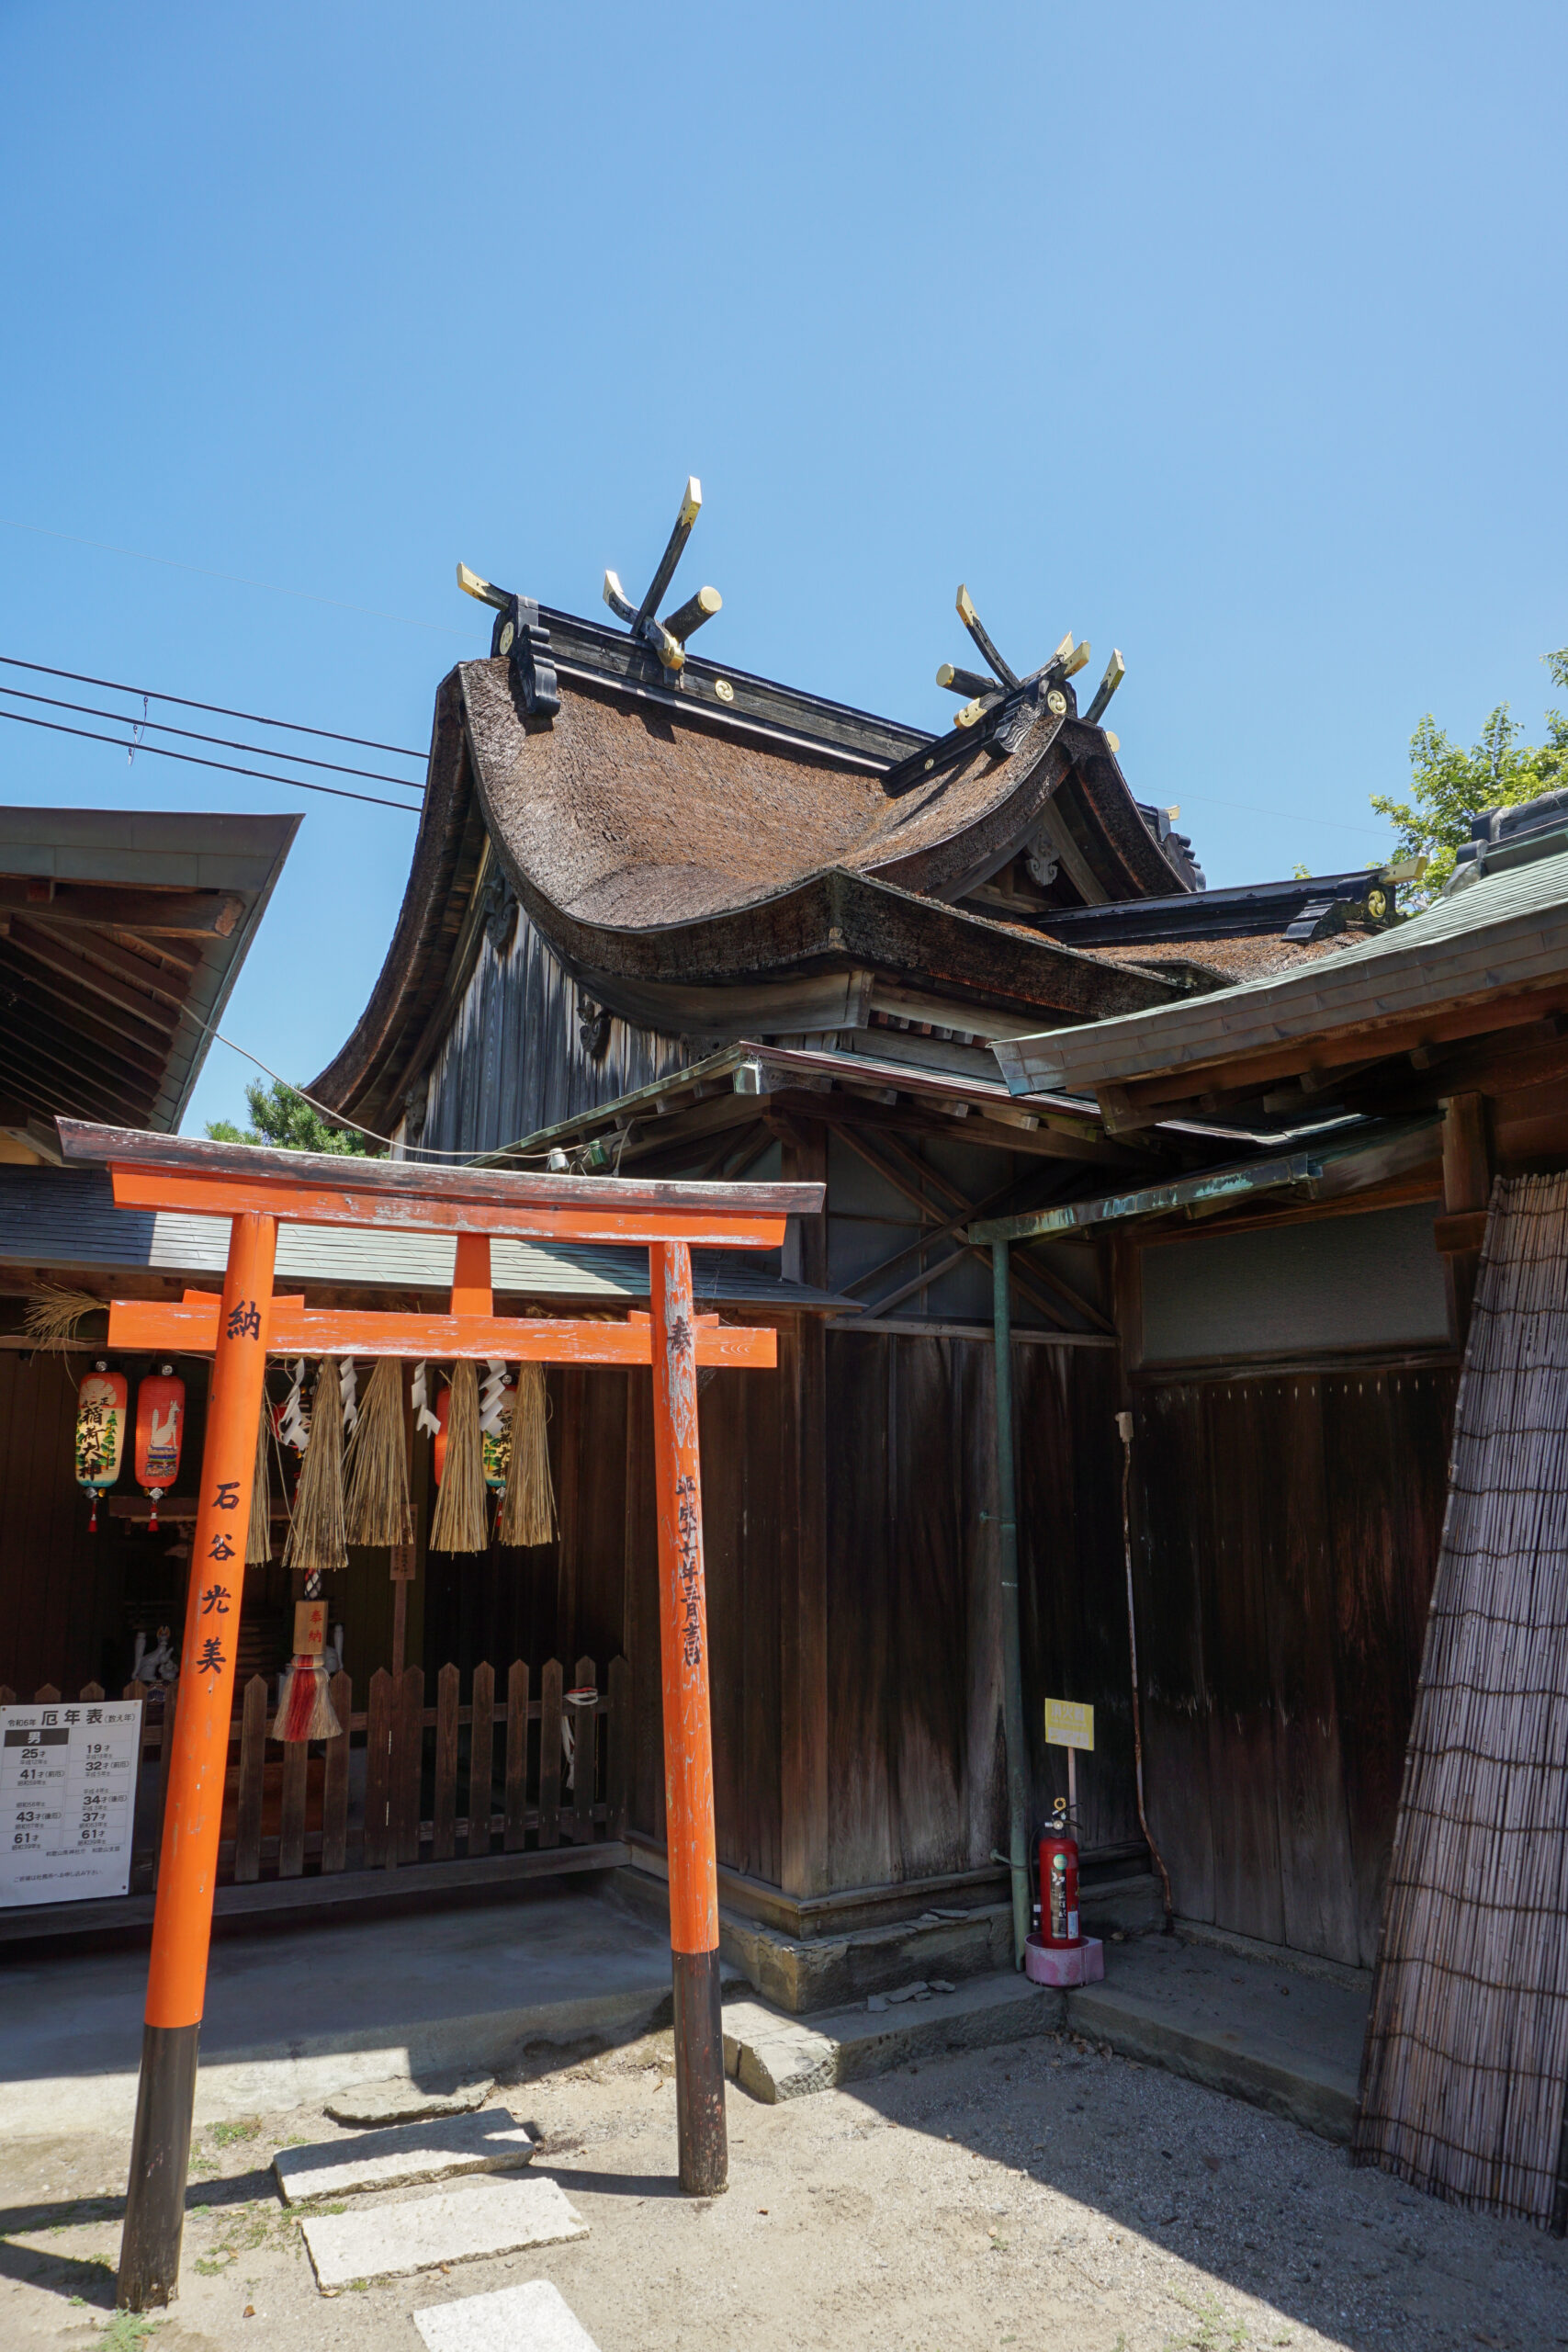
(518, 634)
(985, 695)
(668, 637)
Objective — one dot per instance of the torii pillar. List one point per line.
(688, 1732)
(193, 1813)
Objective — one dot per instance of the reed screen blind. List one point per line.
(1467, 2043)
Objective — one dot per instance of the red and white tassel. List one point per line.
(304, 1705)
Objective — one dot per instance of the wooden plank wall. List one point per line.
(513, 1059)
(916, 1783)
(916, 1774)
(597, 1590)
(59, 1586)
(1286, 1535)
(1073, 1582)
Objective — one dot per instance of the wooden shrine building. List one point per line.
(666, 917)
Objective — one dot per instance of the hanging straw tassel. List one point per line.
(258, 1535)
(316, 1539)
(459, 1524)
(378, 1509)
(304, 1706)
(528, 1506)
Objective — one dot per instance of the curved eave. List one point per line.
(1125, 854)
(888, 914)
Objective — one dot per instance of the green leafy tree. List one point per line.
(284, 1119)
(1448, 784)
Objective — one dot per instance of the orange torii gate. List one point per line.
(257, 1189)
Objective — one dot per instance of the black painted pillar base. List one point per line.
(699, 2074)
(160, 2155)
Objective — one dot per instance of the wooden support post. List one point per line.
(182, 1921)
(688, 1736)
(1467, 1186)
(804, 1863)
(1007, 1565)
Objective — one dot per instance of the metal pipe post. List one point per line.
(199, 1765)
(688, 1736)
(1012, 1653)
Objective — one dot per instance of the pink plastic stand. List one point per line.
(1080, 1963)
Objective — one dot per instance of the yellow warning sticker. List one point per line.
(1067, 1725)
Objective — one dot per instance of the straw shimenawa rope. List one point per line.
(461, 1522)
(528, 1504)
(376, 1507)
(258, 1535)
(54, 1315)
(317, 1538)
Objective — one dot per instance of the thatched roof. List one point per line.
(667, 840)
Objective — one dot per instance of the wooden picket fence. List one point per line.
(458, 1780)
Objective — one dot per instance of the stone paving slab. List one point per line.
(481, 2219)
(437, 2150)
(775, 2056)
(534, 2317)
(397, 2100)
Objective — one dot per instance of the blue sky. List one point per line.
(1231, 335)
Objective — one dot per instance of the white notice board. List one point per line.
(67, 1799)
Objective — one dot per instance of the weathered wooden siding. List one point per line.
(917, 1760)
(513, 1059)
(596, 1591)
(1073, 1580)
(1286, 1535)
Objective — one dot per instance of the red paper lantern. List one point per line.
(100, 1433)
(160, 1425)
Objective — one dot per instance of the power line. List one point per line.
(251, 717)
(235, 580)
(337, 1118)
(193, 735)
(1287, 816)
(192, 760)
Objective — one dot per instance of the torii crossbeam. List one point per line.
(257, 1191)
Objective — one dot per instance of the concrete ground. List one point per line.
(295, 2014)
(1064, 2191)
(1046, 2198)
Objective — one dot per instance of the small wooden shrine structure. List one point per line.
(257, 1191)
(668, 918)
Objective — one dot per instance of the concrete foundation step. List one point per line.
(1256, 2029)
(776, 2057)
(1259, 2030)
(469, 2225)
(1129, 1905)
(438, 2149)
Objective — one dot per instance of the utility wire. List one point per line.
(193, 760)
(193, 735)
(336, 1118)
(252, 717)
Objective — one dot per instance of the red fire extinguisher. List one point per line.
(1058, 1863)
